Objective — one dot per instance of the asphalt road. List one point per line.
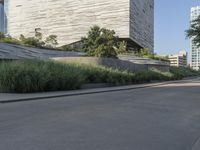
(159, 118)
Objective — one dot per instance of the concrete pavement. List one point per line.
(164, 117)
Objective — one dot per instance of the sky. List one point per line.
(171, 20)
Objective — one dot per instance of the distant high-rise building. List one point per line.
(194, 50)
(133, 20)
(178, 60)
(1, 16)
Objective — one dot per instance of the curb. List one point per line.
(99, 90)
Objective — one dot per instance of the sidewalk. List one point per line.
(9, 97)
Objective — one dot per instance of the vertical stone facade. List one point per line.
(142, 23)
(71, 19)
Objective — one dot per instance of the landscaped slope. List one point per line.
(38, 76)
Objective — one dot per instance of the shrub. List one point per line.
(147, 76)
(181, 72)
(67, 48)
(35, 41)
(31, 41)
(11, 40)
(146, 53)
(97, 74)
(105, 51)
(70, 48)
(37, 76)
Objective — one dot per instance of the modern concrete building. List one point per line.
(194, 51)
(133, 20)
(1, 16)
(178, 60)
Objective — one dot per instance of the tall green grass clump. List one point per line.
(24, 76)
(182, 72)
(38, 76)
(148, 76)
(99, 74)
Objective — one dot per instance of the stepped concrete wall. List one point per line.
(115, 63)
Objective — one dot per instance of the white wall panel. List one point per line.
(71, 19)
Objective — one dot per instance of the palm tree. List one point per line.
(194, 31)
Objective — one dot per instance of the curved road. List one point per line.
(166, 117)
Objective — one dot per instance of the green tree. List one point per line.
(90, 43)
(51, 41)
(101, 42)
(194, 31)
(121, 48)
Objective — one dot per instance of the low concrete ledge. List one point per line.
(11, 51)
(13, 97)
(143, 60)
(116, 63)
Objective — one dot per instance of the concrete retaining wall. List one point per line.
(115, 63)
